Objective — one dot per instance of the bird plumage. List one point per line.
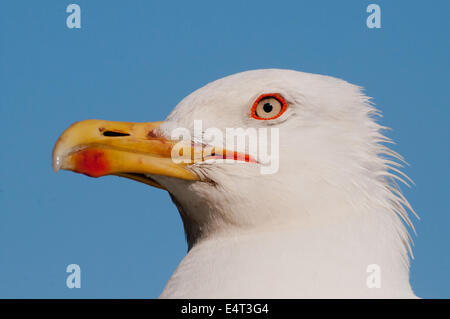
(312, 228)
(327, 221)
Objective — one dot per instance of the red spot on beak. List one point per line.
(91, 162)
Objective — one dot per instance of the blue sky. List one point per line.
(135, 61)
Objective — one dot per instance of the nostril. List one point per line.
(114, 134)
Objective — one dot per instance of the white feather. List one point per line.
(311, 229)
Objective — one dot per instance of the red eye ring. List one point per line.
(276, 96)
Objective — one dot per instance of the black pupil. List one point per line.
(268, 107)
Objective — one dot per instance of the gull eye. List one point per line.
(268, 106)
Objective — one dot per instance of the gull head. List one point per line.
(256, 150)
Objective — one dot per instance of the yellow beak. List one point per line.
(133, 150)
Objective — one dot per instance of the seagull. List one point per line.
(329, 222)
